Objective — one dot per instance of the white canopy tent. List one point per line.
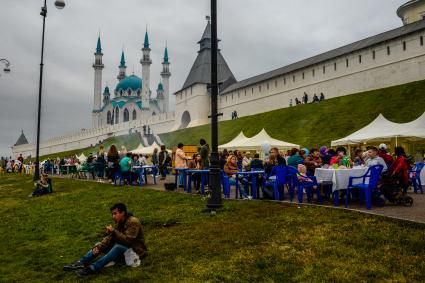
(138, 149)
(255, 143)
(263, 137)
(382, 129)
(82, 158)
(147, 150)
(235, 143)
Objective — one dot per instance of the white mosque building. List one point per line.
(390, 58)
(132, 97)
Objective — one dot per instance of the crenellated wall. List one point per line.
(158, 124)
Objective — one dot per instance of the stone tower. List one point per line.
(122, 68)
(98, 67)
(146, 65)
(165, 76)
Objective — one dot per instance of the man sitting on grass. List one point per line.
(127, 234)
(42, 187)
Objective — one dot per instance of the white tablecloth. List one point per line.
(339, 177)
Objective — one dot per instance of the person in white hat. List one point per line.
(385, 155)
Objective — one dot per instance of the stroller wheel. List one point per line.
(407, 201)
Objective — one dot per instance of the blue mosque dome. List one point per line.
(134, 83)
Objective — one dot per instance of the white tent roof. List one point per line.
(254, 143)
(235, 143)
(262, 138)
(138, 149)
(381, 129)
(82, 158)
(147, 150)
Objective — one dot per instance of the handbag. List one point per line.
(131, 258)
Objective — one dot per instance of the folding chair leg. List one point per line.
(276, 191)
(300, 194)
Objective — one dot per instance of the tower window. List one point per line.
(346, 62)
(117, 115)
(138, 92)
(129, 92)
(324, 69)
(284, 81)
(245, 92)
(275, 83)
(388, 50)
(259, 88)
(421, 40)
(232, 96)
(303, 75)
(267, 85)
(293, 78)
(134, 115)
(313, 72)
(360, 59)
(374, 54)
(335, 66)
(239, 94)
(404, 45)
(252, 90)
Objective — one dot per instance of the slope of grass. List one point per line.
(313, 125)
(247, 241)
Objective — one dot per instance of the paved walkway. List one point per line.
(415, 213)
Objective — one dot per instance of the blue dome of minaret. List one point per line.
(132, 82)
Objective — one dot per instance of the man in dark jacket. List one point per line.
(204, 151)
(163, 160)
(127, 233)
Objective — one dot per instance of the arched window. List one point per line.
(129, 92)
(134, 115)
(126, 115)
(153, 113)
(117, 115)
(138, 92)
(108, 118)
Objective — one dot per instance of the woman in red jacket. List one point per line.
(400, 168)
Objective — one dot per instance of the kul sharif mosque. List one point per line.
(132, 97)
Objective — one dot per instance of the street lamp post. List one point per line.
(6, 65)
(60, 4)
(214, 201)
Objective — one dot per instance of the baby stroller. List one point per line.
(393, 190)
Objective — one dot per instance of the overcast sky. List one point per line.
(257, 36)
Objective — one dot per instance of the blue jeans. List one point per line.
(181, 178)
(232, 182)
(113, 253)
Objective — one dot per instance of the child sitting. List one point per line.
(302, 174)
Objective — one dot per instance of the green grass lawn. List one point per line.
(314, 125)
(247, 241)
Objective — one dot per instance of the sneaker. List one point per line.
(74, 266)
(249, 197)
(84, 272)
(111, 263)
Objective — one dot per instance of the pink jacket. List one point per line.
(181, 158)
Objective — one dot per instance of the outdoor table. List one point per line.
(251, 174)
(142, 170)
(67, 168)
(203, 173)
(339, 178)
(184, 176)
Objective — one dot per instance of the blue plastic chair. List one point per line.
(416, 181)
(373, 173)
(279, 183)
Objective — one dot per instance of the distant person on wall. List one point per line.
(315, 99)
(305, 98)
(163, 162)
(180, 162)
(322, 96)
(297, 101)
(126, 240)
(204, 151)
